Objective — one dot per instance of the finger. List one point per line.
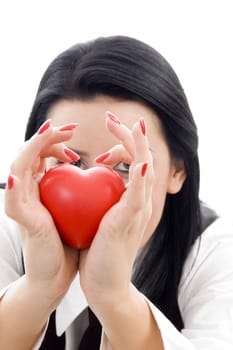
(135, 202)
(39, 144)
(143, 153)
(12, 196)
(61, 152)
(121, 132)
(114, 155)
(51, 136)
(21, 203)
(142, 150)
(136, 188)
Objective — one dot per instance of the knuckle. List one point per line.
(135, 207)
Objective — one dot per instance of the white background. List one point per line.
(196, 37)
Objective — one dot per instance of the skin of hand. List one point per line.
(118, 237)
(49, 264)
(106, 267)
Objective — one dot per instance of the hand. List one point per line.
(106, 267)
(48, 263)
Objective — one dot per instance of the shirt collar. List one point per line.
(70, 307)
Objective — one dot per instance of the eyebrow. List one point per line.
(79, 152)
(86, 154)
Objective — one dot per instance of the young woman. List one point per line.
(158, 274)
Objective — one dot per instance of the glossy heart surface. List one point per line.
(78, 199)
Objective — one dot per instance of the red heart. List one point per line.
(77, 200)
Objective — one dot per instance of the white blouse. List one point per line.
(205, 292)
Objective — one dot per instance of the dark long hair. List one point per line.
(126, 68)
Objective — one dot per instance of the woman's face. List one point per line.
(92, 138)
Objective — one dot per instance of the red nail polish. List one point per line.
(102, 157)
(73, 156)
(143, 126)
(10, 182)
(113, 118)
(68, 127)
(144, 169)
(44, 127)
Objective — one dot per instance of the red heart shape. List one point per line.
(78, 199)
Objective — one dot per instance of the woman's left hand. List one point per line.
(106, 267)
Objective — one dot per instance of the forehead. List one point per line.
(91, 115)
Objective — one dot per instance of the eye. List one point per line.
(79, 163)
(122, 167)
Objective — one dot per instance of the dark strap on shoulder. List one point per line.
(208, 216)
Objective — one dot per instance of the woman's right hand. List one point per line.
(49, 264)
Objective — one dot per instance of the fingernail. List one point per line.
(113, 118)
(102, 157)
(68, 127)
(144, 169)
(10, 182)
(74, 157)
(44, 127)
(143, 126)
